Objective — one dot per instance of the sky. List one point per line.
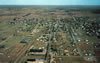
(49, 2)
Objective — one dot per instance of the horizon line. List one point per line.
(51, 5)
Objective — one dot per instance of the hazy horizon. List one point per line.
(50, 2)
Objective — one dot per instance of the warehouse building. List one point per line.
(37, 52)
(35, 61)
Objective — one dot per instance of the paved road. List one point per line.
(48, 46)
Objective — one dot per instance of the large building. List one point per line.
(37, 52)
(35, 61)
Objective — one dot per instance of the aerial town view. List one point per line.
(49, 34)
